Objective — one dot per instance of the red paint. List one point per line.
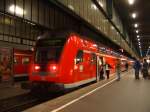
(22, 61)
(65, 71)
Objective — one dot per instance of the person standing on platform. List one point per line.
(118, 69)
(101, 71)
(145, 69)
(107, 68)
(137, 67)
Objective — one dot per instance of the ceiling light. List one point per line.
(134, 15)
(101, 4)
(93, 6)
(71, 7)
(131, 2)
(135, 25)
(16, 9)
(112, 27)
(137, 31)
(138, 39)
(138, 36)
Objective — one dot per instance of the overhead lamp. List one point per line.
(135, 25)
(93, 6)
(134, 15)
(138, 36)
(131, 2)
(112, 27)
(100, 3)
(137, 31)
(138, 39)
(16, 9)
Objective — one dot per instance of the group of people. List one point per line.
(138, 67)
(108, 67)
(143, 67)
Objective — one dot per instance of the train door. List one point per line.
(98, 63)
(79, 66)
(92, 65)
(25, 62)
(87, 64)
(100, 67)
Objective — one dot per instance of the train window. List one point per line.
(25, 60)
(79, 57)
(46, 54)
(93, 58)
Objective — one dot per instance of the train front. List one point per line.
(47, 54)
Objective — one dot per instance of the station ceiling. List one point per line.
(141, 8)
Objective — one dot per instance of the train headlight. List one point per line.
(37, 67)
(53, 68)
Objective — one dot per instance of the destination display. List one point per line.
(51, 42)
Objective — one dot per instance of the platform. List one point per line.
(8, 90)
(126, 95)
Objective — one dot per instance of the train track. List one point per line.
(22, 102)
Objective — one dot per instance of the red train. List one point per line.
(69, 61)
(22, 61)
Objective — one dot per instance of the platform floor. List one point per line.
(126, 95)
(7, 90)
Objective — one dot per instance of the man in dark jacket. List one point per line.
(145, 69)
(137, 67)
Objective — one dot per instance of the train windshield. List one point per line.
(49, 50)
(47, 54)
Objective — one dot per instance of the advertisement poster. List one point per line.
(5, 65)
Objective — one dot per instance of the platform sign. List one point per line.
(6, 56)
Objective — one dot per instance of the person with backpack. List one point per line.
(107, 68)
(145, 69)
(137, 67)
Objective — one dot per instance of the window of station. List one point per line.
(27, 8)
(79, 57)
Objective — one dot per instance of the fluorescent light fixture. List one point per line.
(136, 25)
(101, 4)
(134, 15)
(112, 28)
(138, 36)
(138, 39)
(93, 6)
(16, 9)
(131, 2)
(137, 31)
(71, 7)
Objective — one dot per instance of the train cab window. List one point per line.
(25, 60)
(79, 57)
